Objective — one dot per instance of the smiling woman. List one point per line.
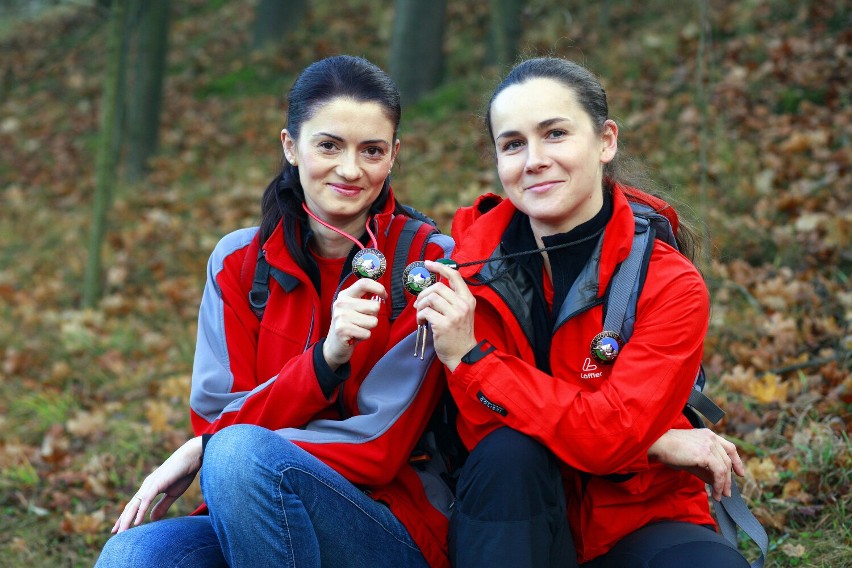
(580, 452)
(305, 399)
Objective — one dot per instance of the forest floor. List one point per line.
(748, 127)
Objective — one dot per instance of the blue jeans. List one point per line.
(271, 504)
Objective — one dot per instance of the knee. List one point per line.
(233, 454)
(510, 470)
(508, 457)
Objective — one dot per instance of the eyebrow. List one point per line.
(339, 139)
(541, 126)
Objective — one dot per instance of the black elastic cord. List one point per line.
(522, 253)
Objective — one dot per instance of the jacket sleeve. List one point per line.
(395, 402)
(225, 387)
(607, 430)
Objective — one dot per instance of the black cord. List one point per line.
(521, 253)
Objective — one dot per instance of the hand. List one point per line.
(449, 309)
(354, 315)
(703, 453)
(172, 478)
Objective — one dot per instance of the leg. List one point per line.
(510, 508)
(185, 542)
(671, 545)
(274, 504)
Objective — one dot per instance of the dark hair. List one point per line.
(339, 76)
(592, 97)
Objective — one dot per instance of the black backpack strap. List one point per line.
(402, 252)
(259, 294)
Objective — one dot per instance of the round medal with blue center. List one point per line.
(605, 347)
(369, 263)
(416, 278)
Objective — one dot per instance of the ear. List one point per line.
(289, 145)
(609, 141)
(394, 152)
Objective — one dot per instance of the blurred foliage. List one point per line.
(90, 401)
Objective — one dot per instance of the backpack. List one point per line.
(620, 315)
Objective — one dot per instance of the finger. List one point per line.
(127, 515)
(364, 287)
(144, 503)
(161, 508)
(736, 462)
(452, 276)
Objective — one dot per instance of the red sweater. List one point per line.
(263, 372)
(599, 419)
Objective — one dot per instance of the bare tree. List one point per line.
(417, 47)
(274, 19)
(149, 69)
(109, 145)
(505, 30)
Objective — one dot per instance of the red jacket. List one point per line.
(599, 419)
(262, 372)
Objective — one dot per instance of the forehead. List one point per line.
(534, 100)
(342, 115)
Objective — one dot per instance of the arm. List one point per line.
(171, 479)
(600, 431)
(394, 404)
(226, 386)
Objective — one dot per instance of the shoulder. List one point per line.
(234, 242)
(671, 277)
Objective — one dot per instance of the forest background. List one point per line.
(740, 109)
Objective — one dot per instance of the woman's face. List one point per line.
(344, 153)
(549, 157)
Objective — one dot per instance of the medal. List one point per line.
(417, 278)
(605, 347)
(369, 263)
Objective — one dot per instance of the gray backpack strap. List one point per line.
(732, 512)
(702, 403)
(626, 280)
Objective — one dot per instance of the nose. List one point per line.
(537, 158)
(348, 167)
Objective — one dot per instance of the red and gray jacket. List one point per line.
(263, 372)
(598, 419)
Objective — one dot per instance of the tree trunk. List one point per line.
(417, 47)
(505, 31)
(143, 114)
(274, 19)
(109, 147)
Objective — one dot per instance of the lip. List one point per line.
(345, 188)
(543, 186)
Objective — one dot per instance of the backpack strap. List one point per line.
(732, 512)
(624, 289)
(405, 235)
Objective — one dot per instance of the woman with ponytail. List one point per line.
(306, 400)
(580, 452)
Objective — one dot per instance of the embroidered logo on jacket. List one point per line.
(490, 405)
(589, 370)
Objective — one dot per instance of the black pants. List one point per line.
(510, 507)
(671, 545)
(510, 513)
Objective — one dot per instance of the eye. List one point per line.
(556, 133)
(327, 145)
(512, 145)
(374, 151)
